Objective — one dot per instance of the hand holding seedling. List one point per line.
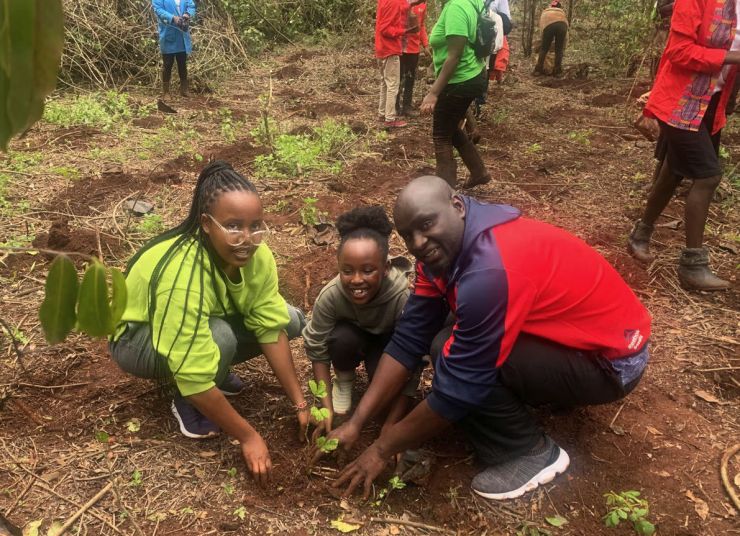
(346, 436)
(364, 470)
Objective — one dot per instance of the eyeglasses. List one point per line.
(239, 236)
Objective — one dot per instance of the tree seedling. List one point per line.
(628, 506)
(318, 391)
(394, 482)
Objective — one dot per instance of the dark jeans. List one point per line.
(450, 110)
(182, 67)
(349, 345)
(409, 64)
(537, 372)
(557, 31)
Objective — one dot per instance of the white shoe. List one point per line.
(341, 391)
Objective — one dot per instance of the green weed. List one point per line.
(301, 154)
(101, 110)
(229, 127)
(310, 214)
(135, 478)
(628, 506)
(580, 136)
(150, 224)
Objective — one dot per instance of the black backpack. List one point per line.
(485, 34)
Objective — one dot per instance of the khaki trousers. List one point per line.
(390, 79)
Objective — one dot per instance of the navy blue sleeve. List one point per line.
(422, 318)
(465, 375)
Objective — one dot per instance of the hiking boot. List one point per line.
(192, 422)
(165, 87)
(396, 123)
(694, 272)
(478, 172)
(341, 391)
(638, 243)
(232, 385)
(514, 478)
(184, 88)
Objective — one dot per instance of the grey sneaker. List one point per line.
(516, 477)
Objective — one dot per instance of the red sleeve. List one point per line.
(391, 19)
(683, 48)
(423, 26)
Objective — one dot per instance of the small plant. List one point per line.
(534, 148)
(318, 390)
(310, 214)
(628, 506)
(228, 488)
(150, 224)
(228, 125)
(135, 478)
(394, 483)
(95, 109)
(580, 136)
(231, 472)
(240, 513)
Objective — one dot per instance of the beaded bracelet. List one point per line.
(303, 406)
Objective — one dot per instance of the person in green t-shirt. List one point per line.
(461, 77)
(203, 296)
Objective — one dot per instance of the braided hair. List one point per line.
(365, 222)
(217, 178)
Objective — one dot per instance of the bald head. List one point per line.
(431, 220)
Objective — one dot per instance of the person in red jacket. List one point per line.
(539, 318)
(416, 38)
(390, 27)
(689, 97)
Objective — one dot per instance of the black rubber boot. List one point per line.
(478, 172)
(446, 164)
(638, 244)
(165, 87)
(694, 272)
(184, 88)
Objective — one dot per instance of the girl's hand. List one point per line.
(323, 427)
(257, 458)
(304, 416)
(428, 104)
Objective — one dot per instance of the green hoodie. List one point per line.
(334, 304)
(177, 330)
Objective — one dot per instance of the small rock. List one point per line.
(139, 207)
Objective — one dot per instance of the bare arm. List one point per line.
(213, 404)
(455, 46)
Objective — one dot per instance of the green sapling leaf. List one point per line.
(316, 414)
(644, 527)
(57, 313)
(93, 308)
(556, 521)
(119, 296)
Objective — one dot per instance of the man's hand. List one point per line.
(177, 21)
(648, 127)
(428, 104)
(303, 416)
(364, 470)
(257, 458)
(347, 435)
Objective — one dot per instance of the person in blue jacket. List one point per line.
(174, 18)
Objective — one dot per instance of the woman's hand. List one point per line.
(303, 416)
(428, 104)
(257, 458)
(364, 470)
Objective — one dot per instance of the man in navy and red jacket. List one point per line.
(539, 318)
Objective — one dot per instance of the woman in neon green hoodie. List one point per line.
(203, 296)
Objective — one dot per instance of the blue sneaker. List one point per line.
(193, 423)
(232, 385)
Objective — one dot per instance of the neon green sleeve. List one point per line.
(268, 313)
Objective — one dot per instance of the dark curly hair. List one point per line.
(365, 222)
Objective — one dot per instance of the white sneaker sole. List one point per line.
(183, 430)
(547, 474)
(228, 393)
(341, 401)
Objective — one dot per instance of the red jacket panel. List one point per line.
(390, 26)
(701, 33)
(420, 37)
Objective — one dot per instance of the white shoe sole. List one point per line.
(543, 477)
(183, 430)
(227, 393)
(341, 408)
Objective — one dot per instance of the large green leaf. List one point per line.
(119, 296)
(93, 308)
(21, 17)
(57, 312)
(47, 53)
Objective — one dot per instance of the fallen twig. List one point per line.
(416, 524)
(85, 507)
(729, 453)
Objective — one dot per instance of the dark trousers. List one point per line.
(557, 31)
(537, 372)
(409, 64)
(182, 67)
(450, 110)
(349, 345)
